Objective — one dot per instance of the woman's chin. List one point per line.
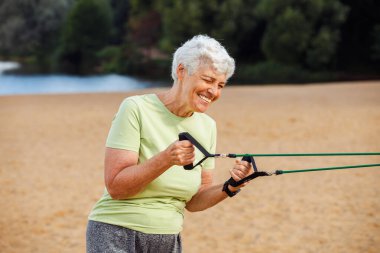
(202, 108)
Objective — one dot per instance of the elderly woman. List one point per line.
(147, 189)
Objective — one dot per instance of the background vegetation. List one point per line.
(271, 40)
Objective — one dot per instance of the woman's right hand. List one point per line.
(181, 153)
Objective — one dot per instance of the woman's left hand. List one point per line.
(241, 170)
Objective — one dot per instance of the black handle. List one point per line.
(247, 159)
(256, 173)
(182, 137)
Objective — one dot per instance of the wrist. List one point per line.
(230, 190)
(163, 159)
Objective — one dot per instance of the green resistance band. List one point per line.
(250, 158)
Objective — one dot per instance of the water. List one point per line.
(7, 65)
(56, 84)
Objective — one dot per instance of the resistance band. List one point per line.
(250, 159)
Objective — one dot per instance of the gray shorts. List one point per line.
(107, 238)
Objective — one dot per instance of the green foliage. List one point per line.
(230, 21)
(180, 20)
(301, 32)
(144, 29)
(322, 48)
(288, 40)
(355, 51)
(28, 30)
(110, 59)
(86, 31)
(287, 37)
(120, 10)
(274, 72)
(376, 43)
(26, 24)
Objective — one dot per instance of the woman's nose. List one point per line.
(212, 90)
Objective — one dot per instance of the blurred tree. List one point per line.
(30, 27)
(86, 31)
(180, 21)
(358, 39)
(302, 32)
(287, 36)
(238, 28)
(268, 37)
(144, 31)
(232, 22)
(120, 9)
(144, 25)
(376, 43)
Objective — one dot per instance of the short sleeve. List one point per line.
(125, 129)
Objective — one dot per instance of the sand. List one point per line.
(51, 170)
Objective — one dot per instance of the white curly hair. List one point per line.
(202, 49)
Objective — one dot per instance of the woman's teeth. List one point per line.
(205, 98)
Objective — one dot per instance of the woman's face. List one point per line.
(202, 88)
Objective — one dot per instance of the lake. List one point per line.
(11, 84)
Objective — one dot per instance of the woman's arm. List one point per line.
(209, 194)
(125, 178)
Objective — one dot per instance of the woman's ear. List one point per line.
(180, 72)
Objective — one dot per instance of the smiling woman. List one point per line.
(147, 188)
(193, 92)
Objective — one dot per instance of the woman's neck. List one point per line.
(175, 104)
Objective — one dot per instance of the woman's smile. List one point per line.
(204, 98)
(205, 86)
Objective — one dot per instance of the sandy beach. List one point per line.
(51, 170)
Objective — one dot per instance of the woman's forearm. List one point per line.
(207, 198)
(131, 180)
(125, 178)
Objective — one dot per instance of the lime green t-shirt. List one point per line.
(143, 124)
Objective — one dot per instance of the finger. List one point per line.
(190, 156)
(186, 159)
(185, 143)
(245, 163)
(234, 175)
(245, 168)
(241, 168)
(241, 174)
(242, 162)
(183, 150)
(242, 171)
(187, 149)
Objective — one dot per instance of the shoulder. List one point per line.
(135, 102)
(132, 100)
(138, 100)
